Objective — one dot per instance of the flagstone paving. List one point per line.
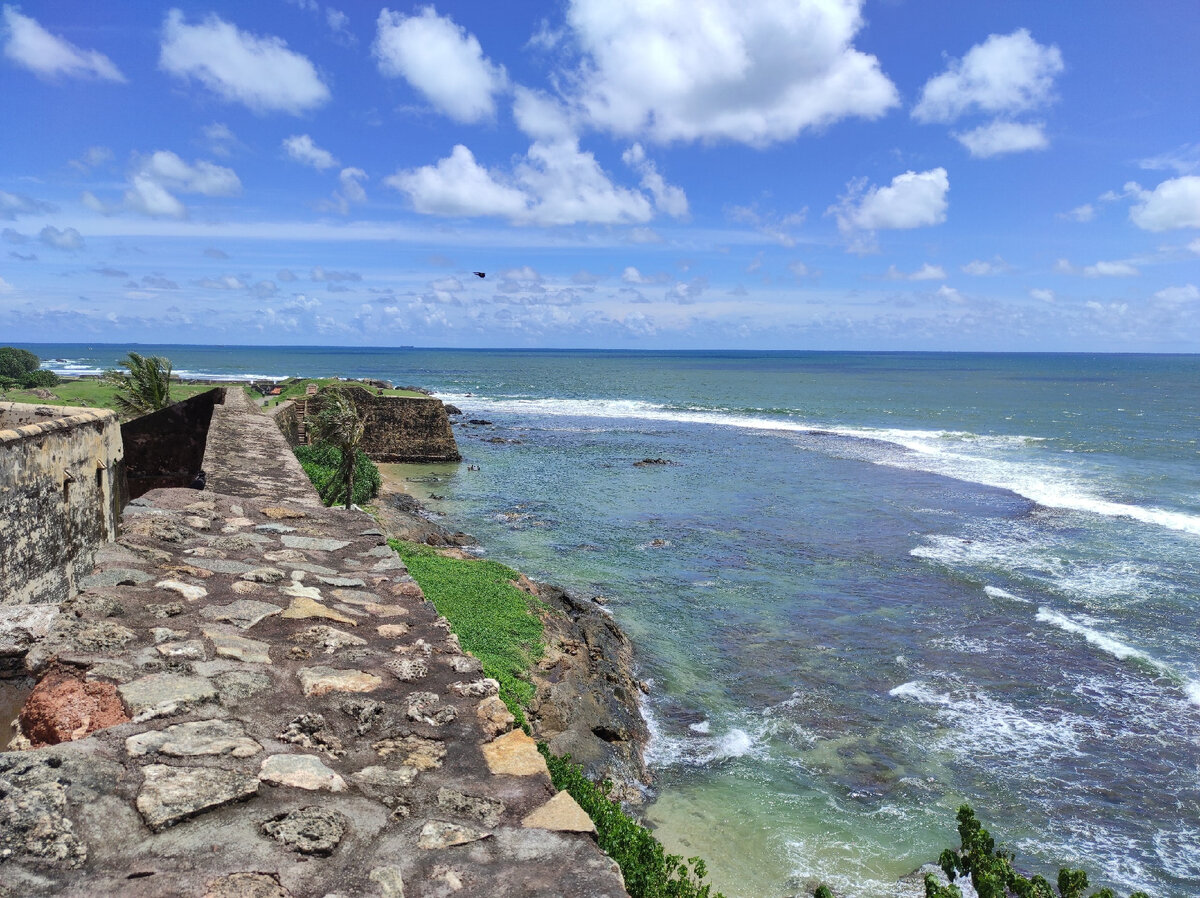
(303, 723)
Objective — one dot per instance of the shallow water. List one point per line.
(869, 587)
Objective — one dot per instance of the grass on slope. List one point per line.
(94, 393)
(495, 621)
(296, 387)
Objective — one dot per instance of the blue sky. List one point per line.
(691, 173)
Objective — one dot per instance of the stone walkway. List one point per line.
(299, 721)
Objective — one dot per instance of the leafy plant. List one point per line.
(322, 463)
(143, 387)
(39, 378)
(649, 871)
(992, 872)
(16, 363)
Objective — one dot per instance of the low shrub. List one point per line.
(649, 871)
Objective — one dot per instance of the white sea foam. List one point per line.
(984, 726)
(997, 593)
(958, 454)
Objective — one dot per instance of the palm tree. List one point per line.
(143, 387)
(339, 423)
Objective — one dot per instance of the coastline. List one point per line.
(586, 701)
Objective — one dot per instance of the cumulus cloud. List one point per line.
(5, 286)
(926, 272)
(458, 186)
(753, 73)
(1110, 270)
(1181, 160)
(67, 238)
(1042, 294)
(1000, 137)
(259, 72)
(949, 294)
(912, 200)
(1172, 204)
(302, 148)
(1178, 295)
(225, 282)
(541, 116)
(1006, 74)
(1194, 246)
(93, 157)
(15, 204)
(667, 198)
(980, 268)
(162, 174)
(30, 45)
(554, 184)
(321, 274)
(441, 60)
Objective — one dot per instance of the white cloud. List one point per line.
(1006, 74)
(950, 294)
(5, 286)
(14, 204)
(541, 116)
(1000, 137)
(339, 24)
(302, 148)
(153, 185)
(799, 270)
(667, 198)
(441, 60)
(1179, 295)
(351, 189)
(1172, 204)
(1182, 160)
(555, 184)
(32, 46)
(980, 268)
(458, 186)
(1042, 294)
(1194, 246)
(1110, 270)
(226, 282)
(260, 72)
(1084, 213)
(912, 200)
(752, 73)
(67, 238)
(93, 157)
(926, 272)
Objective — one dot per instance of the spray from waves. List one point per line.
(984, 726)
(85, 368)
(699, 749)
(957, 454)
(997, 593)
(1120, 650)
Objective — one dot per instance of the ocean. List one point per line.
(864, 587)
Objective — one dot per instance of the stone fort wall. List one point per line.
(61, 484)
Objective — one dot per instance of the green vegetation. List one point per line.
(143, 387)
(20, 368)
(495, 621)
(296, 387)
(992, 873)
(322, 464)
(339, 424)
(95, 393)
(648, 870)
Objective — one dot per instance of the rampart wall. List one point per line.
(61, 483)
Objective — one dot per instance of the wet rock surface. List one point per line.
(271, 753)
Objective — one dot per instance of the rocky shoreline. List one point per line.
(586, 702)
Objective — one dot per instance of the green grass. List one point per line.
(94, 393)
(321, 462)
(295, 388)
(495, 621)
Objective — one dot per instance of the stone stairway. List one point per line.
(302, 421)
(256, 700)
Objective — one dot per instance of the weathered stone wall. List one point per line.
(166, 448)
(287, 420)
(402, 428)
(61, 475)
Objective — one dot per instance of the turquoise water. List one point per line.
(868, 587)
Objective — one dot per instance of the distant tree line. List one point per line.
(21, 368)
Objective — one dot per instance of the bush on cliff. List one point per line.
(323, 463)
(20, 368)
